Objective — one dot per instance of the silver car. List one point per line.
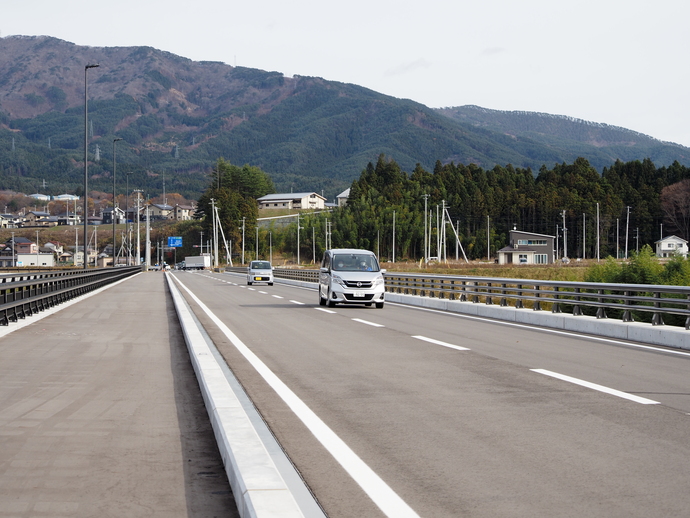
(350, 276)
(260, 271)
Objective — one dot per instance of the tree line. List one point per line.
(636, 204)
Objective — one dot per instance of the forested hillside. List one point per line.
(177, 117)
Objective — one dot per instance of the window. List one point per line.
(541, 258)
(532, 242)
(522, 258)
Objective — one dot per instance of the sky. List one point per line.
(618, 62)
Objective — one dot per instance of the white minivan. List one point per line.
(260, 271)
(350, 276)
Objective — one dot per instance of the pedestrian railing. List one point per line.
(23, 294)
(655, 304)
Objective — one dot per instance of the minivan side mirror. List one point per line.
(383, 270)
(323, 269)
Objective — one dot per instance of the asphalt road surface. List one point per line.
(458, 416)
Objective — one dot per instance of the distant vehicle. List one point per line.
(350, 276)
(197, 262)
(260, 271)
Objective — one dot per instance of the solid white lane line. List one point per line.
(594, 386)
(297, 302)
(367, 322)
(380, 493)
(438, 342)
(325, 310)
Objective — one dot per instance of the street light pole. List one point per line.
(86, 160)
(129, 244)
(113, 214)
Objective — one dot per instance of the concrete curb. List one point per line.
(258, 487)
(615, 329)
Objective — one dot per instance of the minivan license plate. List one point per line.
(359, 294)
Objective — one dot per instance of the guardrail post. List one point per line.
(657, 319)
(556, 308)
(537, 303)
(518, 302)
(489, 298)
(504, 301)
(577, 310)
(475, 294)
(627, 315)
(601, 312)
(687, 320)
(463, 293)
(451, 296)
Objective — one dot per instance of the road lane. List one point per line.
(457, 432)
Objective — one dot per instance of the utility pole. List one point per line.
(584, 233)
(426, 255)
(243, 240)
(393, 236)
(597, 231)
(627, 226)
(565, 238)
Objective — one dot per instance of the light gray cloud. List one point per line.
(406, 68)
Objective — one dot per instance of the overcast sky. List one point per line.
(619, 62)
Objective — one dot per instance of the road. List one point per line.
(457, 416)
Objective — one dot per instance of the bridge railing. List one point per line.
(23, 294)
(603, 300)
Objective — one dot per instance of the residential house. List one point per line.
(671, 246)
(298, 200)
(39, 219)
(107, 215)
(184, 212)
(527, 248)
(159, 211)
(343, 197)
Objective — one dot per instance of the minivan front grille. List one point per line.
(358, 284)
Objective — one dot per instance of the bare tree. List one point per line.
(675, 203)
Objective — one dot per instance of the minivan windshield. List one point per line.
(354, 263)
(260, 265)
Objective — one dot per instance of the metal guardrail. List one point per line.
(603, 300)
(24, 294)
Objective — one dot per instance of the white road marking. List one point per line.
(544, 329)
(251, 289)
(600, 388)
(367, 322)
(263, 292)
(380, 493)
(438, 342)
(277, 296)
(325, 310)
(297, 302)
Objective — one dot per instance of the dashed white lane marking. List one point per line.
(277, 296)
(263, 292)
(297, 302)
(251, 289)
(438, 342)
(600, 388)
(375, 487)
(373, 324)
(325, 310)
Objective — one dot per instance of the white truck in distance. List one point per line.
(197, 262)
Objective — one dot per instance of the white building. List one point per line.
(670, 246)
(343, 197)
(292, 200)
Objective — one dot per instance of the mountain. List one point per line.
(601, 144)
(177, 117)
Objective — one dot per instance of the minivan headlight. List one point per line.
(378, 280)
(340, 281)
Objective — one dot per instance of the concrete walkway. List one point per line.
(101, 414)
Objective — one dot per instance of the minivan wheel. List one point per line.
(331, 304)
(249, 283)
(322, 301)
(379, 305)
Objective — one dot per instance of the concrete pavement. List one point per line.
(101, 414)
